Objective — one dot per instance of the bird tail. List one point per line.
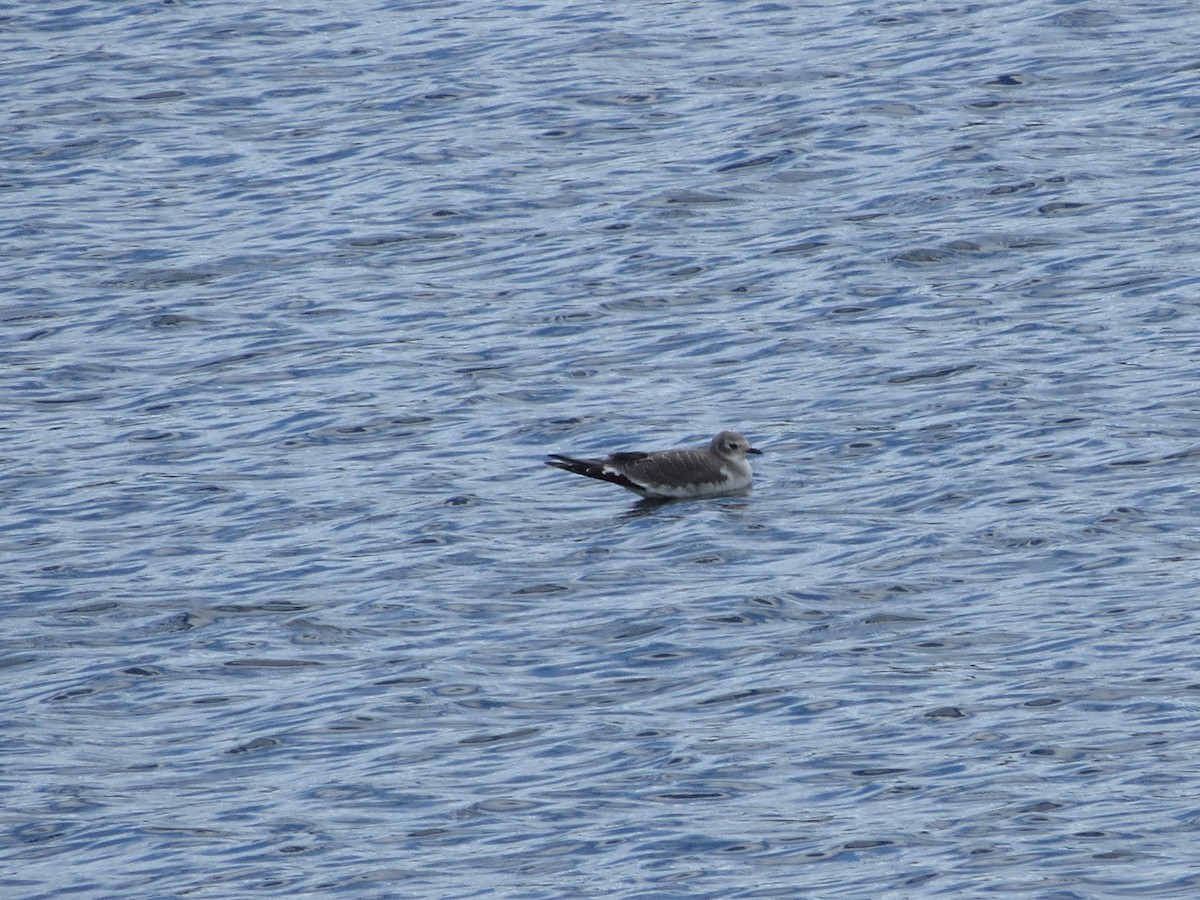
(592, 468)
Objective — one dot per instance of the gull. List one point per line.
(719, 469)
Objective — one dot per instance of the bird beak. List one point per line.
(754, 450)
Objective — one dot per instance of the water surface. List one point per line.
(297, 298)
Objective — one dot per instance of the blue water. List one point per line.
(297, 297)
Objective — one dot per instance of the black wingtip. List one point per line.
(591, 468)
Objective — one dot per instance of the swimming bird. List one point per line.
(719, 469)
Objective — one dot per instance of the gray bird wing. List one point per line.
(669, 468)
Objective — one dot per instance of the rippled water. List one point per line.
(296, 298)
